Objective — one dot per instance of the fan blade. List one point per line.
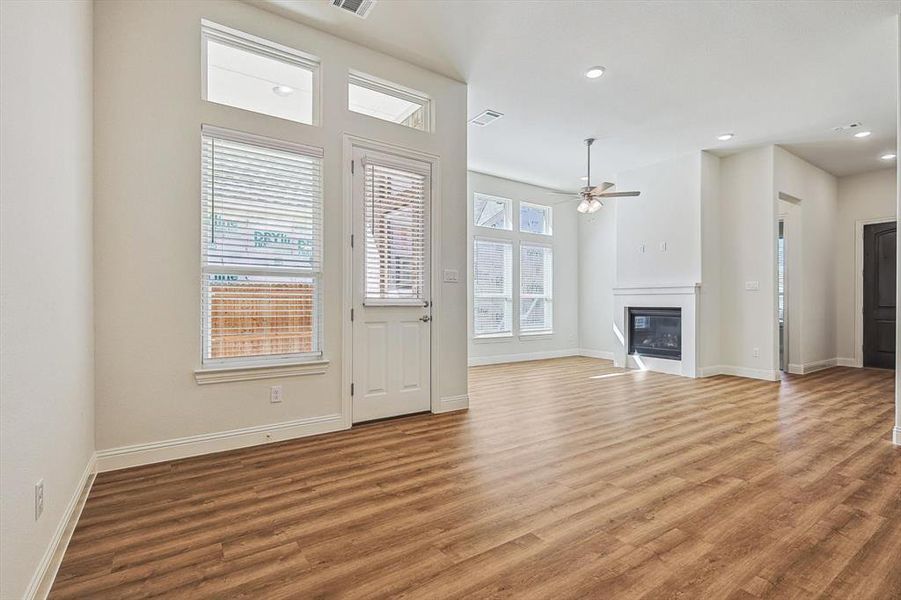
(599, 189)
(616, 194)
(570, 194)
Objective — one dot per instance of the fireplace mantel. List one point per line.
(684, 297)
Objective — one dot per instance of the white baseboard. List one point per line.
(42, 580)
(896, 436)
(819, 365)
(477, 361)
(452, 403)
(144, 454)
(602, 354)
(764, 374)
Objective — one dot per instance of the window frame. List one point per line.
(241, 40)
(508, 212)
(317, 357)
(502, 334)
(549, 210)
(390, 88)
(548, 295)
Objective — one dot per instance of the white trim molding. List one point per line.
(651, 289)
(896, 436)
(250, 372)
(43, 578)
(124, 457)
(819, 365)
(601, 354)
(453, 403)
(526, 356)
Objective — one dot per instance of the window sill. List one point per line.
(249, 372)
(487, 339)
(538, 335)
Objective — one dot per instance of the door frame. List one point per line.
(350, 143)
(858, 283)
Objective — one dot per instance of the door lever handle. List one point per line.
(425, 318)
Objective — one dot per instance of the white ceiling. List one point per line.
(678, 73)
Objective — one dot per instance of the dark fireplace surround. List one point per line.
(656, 332)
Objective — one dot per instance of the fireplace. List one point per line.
(656, 332)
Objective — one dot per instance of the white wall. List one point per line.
(817, 191)
(565, 339)
(46, 322)
(147, 220)
(667, 212)
(747, 253)
(597, 276)
(863, 197)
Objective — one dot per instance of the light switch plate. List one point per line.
(451, 276)
(752, 286)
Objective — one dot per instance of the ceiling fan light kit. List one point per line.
(590, 196)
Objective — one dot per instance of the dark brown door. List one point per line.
(879, 242)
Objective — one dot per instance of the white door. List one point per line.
(391, 297)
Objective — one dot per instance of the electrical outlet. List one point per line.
(275, 394)
(755, 352)
(662, 246)
(38, 499)
(641, 248)
(752, 286)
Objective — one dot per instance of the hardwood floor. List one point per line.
(566, 479)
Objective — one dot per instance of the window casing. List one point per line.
(374, 97)
(492, 287)
(251, 73)
(261, 250)
(535, 218)
(536, 285)
(492, 212)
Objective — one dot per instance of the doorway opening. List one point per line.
(391, 291)
(781, 305)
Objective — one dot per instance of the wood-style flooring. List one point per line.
(567, 478)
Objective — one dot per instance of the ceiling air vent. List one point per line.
(360, 8)
(486, 117)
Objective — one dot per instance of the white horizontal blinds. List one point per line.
(536, 288)
(492, 287)
(394, 219)
(261, 248)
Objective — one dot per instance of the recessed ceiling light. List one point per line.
(888, 156)
(283, 90)
(725, 137)
(594, 72)
(863, 134)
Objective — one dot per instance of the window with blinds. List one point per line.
(535, 288)
(492, 287)
(261, 248)
(394, 221)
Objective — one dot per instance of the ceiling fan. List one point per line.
(591, 196)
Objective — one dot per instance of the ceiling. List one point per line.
(678, 74)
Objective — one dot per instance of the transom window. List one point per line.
(388, 101)
(255, 74)
(261, 249)
(492, 212)
(534, 218)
